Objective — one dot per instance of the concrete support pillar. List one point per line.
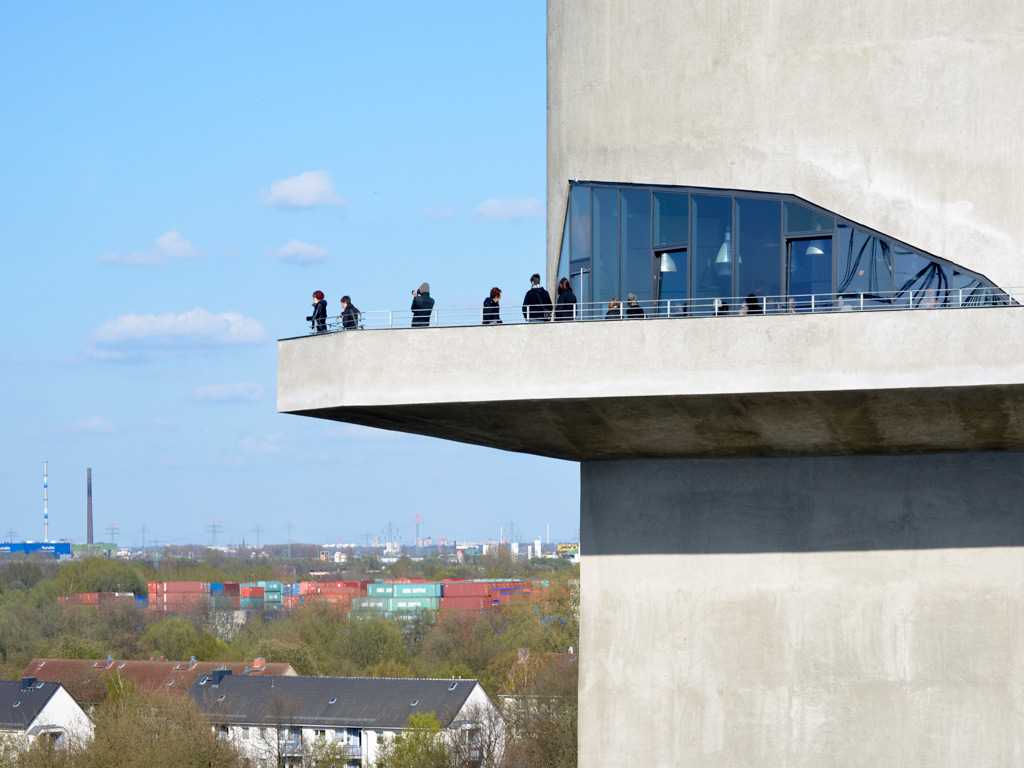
(826, 611)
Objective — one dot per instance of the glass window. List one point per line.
(580, 241)
(563, 254)
(712, 248)
(671, 218)
(637, 267)
(802, 218)
(809, 269)
(759, 247)
(606, 243)
(673, 270)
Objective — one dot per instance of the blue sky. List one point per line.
(176, 182)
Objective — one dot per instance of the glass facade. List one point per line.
(683, 244)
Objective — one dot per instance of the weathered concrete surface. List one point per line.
(834, 611)
(785, 385)
(903, 116)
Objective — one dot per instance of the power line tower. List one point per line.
(112, 532)
(215, 528)
(258, 530)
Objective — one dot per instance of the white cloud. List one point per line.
(243, 392)
(508, 208)
(194, 327)
(169, 246)
(307, 190)
(299, 252)
(94, 425)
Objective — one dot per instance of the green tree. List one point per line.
(178, 638)
(421, 746)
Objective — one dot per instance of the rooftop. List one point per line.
(359, 702)
(22, 701)
(85, 679)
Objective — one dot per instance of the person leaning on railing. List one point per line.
(614, 309)
(422, 306)
(492, 307)
(565, 305)
(633, 309)
(537, 302)
(318, 320)
(349, 314)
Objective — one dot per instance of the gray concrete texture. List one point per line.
(801, 613)
(926, 380)
(903, 116)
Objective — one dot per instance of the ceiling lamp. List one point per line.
(722, 260)
(814, 251)
(668, 264)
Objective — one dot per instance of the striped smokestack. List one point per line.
(88, 505)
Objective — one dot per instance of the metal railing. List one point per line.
(721, 306)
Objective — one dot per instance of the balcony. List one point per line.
(824, 378)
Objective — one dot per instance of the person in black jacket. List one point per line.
(614, 309)
(422, 306)
(492, 307)
(537, 302)
(565, 308)
(633, 309)
(349, 314)
(318, 320)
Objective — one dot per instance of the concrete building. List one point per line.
(290, 721)
(31, 710)
(810, 455)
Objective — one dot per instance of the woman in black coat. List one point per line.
(318, 320)
(565, 306)
(492, 307)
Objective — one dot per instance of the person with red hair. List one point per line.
(492, 307)
(318, 320)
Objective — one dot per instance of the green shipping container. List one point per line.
(370, 603)
(418, 590)
(401, 604)
(379, 589)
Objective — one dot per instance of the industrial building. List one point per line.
(810, 452)
(284, 721)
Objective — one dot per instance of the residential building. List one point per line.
(287, 720)
(802, 447)
(86, 679)
(32, 709)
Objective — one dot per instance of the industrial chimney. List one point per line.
(88, 505)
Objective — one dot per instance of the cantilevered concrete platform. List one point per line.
(785, 385)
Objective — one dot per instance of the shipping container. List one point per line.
(465, 589)
(216, 588)
(418, 590)
(370, 603)
(414, 603)
(465, 604)
(182, 586)
(380, 589)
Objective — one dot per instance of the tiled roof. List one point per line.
(333, 702)
(86, 680)
(19, 706)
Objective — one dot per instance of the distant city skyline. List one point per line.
(179, 180)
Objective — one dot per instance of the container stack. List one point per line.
(250, 597)
(224, 596)
(482, 594)
(178, 596)
(399, 600)
(98, 598)
(336, 594)
(273, 595)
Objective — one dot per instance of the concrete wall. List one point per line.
(903, 116)
(857, 611)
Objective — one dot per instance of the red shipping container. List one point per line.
(251, 591)
(465, 604)
(184, 586)
(465, 589)
(231, 588)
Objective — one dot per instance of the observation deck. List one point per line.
(779, 376)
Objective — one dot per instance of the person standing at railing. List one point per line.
(614, 309)
(349, 314)
(492, 307)
(633, 309)
(318, 320)
(422, 306)
(537, 302)
(565, 305)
